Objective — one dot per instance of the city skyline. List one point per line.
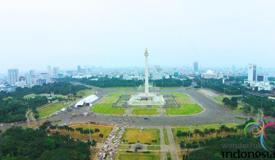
(147, 79)
(109, 34)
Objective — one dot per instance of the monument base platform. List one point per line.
(143, 99)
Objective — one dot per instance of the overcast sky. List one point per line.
(114, 33)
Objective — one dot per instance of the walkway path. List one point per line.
(172, 144)
(162, 145)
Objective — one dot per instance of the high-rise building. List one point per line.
(55, 71)
(12, 76)
(196, 67)
(30, 78)
(252, 73)
(79, 69)
(49, 68)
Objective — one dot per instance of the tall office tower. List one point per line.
(79, 69)
(196, 67)
(12, 76)
(30, 78)
(252, 73)
(55, 71)
(49, 68)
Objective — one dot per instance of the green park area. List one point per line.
(85, 92)
(219, 99)
(239, 103)
(49, 109)
(102, 130)
(105, 105)
(186, 106)
(186, 109)
(177, 104)
(145, 111)
(165, 134)
(138, 156)
(150, 137)
(202, 128)
(144, 136)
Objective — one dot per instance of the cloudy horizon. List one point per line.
(35, 34)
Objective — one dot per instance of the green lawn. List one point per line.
(105, 105)
(220, 98)
(200, 127)
(110, 99)
(104, 129)
(107, 109)
(49, 109)
(49, 96)
(166, 140)
(187, 109)
(145, 136)
(183, 98)
(85, 93)
(145, 111)
(187, 106)
(203, 126)
(138, 156)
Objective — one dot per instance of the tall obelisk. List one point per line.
(146, 73)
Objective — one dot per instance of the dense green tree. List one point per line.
(28, 144)
(233, 102)
(13, 106)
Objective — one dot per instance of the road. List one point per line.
(162, 145)
(213, 114)
(172, 144)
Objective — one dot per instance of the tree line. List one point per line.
(105, 82)
(260, 102)
(28, 144)
(234, 88)
(13, 106)
(252, 100)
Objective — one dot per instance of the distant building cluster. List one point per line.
(135, 73)
(31, 78)
(209, 74)
(256, 81)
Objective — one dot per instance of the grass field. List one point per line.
(107, 109)
(110, 99)
(183, 98)
(138, 156)
(49, 96)
(187, 109)
(200, 127)
(49, 109)
(145, 111)
(104, 129)
(85, 93)
(219, 100)
(104, 106)
(145, 136)
(204, 126)
(166, 140)
(187, 106)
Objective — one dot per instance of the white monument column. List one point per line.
(146, 54)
